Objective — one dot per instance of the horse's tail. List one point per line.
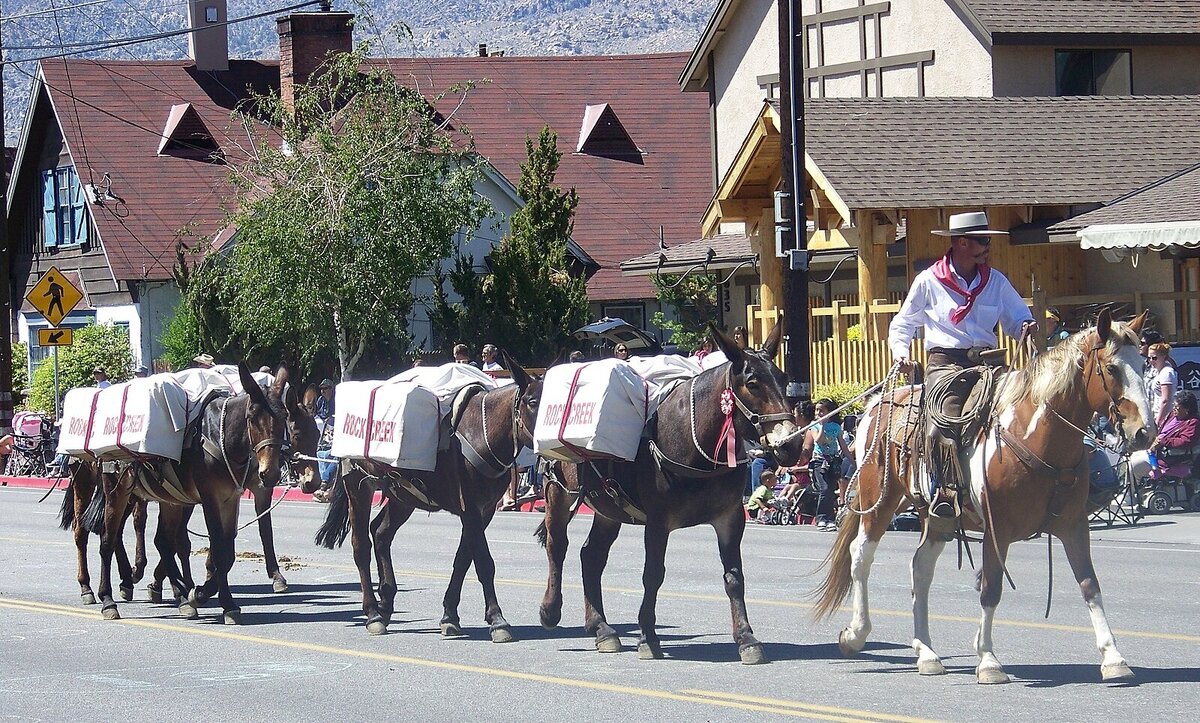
(836, 586)
(541, 533)
(66, 514)
(336, 527)
(93, 516)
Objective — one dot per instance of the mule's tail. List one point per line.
(93, 516)
(336, 527)
(836, 586)
(540, 533)
(66, 514)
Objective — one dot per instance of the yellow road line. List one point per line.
(879, 612)
(796, 709)
(775, 702)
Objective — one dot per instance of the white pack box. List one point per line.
(592, 410)
(139, 417)
(395, 423)
(446, 380)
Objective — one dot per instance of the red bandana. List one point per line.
(942, 272)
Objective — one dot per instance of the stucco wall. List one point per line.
(1024, 70)
(961, 64)
(749, 48)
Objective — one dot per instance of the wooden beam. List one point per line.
(738, 209)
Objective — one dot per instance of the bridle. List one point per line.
(1114, 410)
(252, 455)
(500, 467)
(755, 419)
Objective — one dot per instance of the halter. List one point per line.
(1113, 407)
(499, 467)
(261, 445)
(755, 419)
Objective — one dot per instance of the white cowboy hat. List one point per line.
(205, 359)
(973, 223)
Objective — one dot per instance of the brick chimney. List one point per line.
(208, 44)
(305, 41)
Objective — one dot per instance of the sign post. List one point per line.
(54, 297)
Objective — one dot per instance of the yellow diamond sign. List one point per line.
(53, 296)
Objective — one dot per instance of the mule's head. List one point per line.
(265, 422)
(759, 393)
(529, 392)
(302, 433)
(1113, 371)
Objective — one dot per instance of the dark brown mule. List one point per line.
(241, 438)
(679, 486)
(82, 512)
(491, 430)
(1027, 474)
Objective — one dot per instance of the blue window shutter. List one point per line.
(49, 210)
(79, 217)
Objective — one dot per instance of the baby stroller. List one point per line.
(34, 440)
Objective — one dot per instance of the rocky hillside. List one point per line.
(398, 28)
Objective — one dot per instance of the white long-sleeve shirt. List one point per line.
(929, 303)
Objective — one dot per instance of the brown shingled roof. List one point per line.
(1167, 200)
(622, 200)
(936, 152)
(123, 107)
(728, 250)
(1045, 17)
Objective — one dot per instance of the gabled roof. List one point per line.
(1167, 200)
(621, 204)
(123, 106)
(1024, 20)
(112, 116)
(888, 153)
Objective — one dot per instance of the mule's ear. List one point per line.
(281, 379)
(732, 351)
(1138, 321)
(1104, 325)
(250, 386)
(309, 400)
(519, 375)
(771, 346)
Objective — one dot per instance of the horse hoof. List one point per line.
(991, 676)
(502, 634)
(280, 585)
(609, 644)
(376, 626)
(549, 619)
(88, 598)
(111, 613)
(1116, 673)
(127, 593)
(155, 594)
(753, 654)
(452, 630)
(233, 616)
(648, 652)
(931, 667)
(189, 611)
(845, 647)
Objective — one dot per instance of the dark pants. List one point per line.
(824, 473)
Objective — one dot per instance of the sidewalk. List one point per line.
(1175, 528)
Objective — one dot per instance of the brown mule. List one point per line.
(1027, 475)
(677, 484)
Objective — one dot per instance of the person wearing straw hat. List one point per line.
(957, 302)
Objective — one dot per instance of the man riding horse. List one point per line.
(957, 301)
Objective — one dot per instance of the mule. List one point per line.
(82, 512)
(470, 478)
(675, 482)
(241, 438)
(1027, 475)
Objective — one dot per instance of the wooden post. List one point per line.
(1039, 315)
(872, 268)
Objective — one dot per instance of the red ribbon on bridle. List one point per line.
(728, 435)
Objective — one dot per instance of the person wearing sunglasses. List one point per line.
(957, 302)
(1166, 382)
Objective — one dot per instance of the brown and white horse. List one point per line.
(1027, 474)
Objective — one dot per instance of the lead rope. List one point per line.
(887, 398)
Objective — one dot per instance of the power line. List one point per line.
(35, 13)
(123, 42)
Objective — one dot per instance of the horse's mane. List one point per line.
(1056, 372)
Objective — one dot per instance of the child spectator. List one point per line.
(797, 475)
(762, 497)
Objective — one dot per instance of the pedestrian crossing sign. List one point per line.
(54, 296)
(56, 337)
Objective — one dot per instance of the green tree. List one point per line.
(20, 374)
(97, 345)
(694, 299)
(528, 301)
(355, 192)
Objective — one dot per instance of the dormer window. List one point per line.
(1093, 72)
(602, 134)
(186, 135)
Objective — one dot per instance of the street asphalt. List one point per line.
(305, 655)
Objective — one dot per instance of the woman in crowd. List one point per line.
(829, 449)
(1165, 382)
(797, 476)
(1172, 447)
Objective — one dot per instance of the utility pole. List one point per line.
(791, 228)
(6, 382)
